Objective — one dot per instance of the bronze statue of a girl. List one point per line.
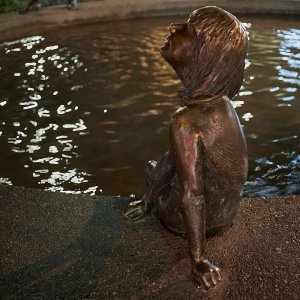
(196, 187)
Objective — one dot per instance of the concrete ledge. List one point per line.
(13, 25)
(58, 246)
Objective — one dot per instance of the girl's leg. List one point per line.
(159, 176)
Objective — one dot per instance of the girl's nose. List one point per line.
(177, 27)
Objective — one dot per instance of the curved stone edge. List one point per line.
(13, 25)
(62, 246)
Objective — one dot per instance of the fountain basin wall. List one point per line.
(13, 25)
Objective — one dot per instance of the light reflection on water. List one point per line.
(83, 109)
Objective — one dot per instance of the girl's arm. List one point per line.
(186, 151)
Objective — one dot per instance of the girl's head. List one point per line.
(208, 53)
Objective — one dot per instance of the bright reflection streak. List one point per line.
(247, 116)
(4, 180)
(2, 103)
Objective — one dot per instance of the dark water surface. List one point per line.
(82, 109)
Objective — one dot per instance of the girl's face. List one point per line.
(179, 45)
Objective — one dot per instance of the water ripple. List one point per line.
(85, 116)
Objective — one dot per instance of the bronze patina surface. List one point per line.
(195, 189)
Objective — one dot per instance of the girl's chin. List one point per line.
(165, 48)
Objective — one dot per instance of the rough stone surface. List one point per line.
(58, 246)
(13, 25)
